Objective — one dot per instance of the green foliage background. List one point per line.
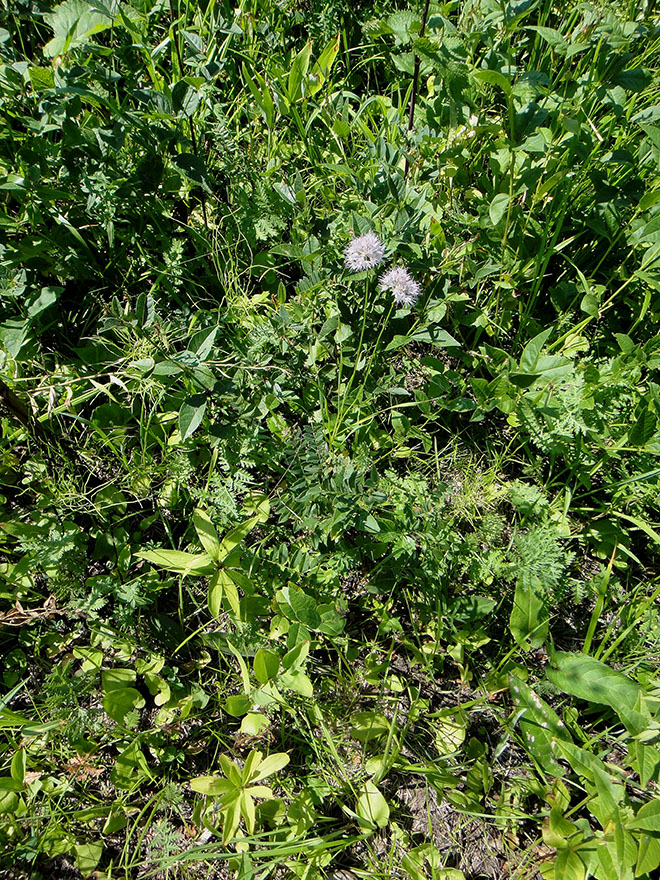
(259, 523)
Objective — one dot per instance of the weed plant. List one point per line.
(329, 439)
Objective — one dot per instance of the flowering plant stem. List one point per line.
(413, 97)
(342, 407)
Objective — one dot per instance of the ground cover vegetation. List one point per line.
(329, 439)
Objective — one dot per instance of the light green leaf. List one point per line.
(366, 726)
(323, 66)
(266, 665)
(648, 856)
(493, 78)
(539, 726)
(371, 807)
(298, 73)
(179, 562)
(647, 818)
(498, 208)
(233, 538)
(206, 533)
(272, 764)
(213, 786)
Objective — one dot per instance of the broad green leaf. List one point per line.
(179, 562)
(272, 764)
(88, 855)
(191, 415)
(568, 866)
(18, 766)
(589, 679)
(366, 726)
(206, 533)
(597, 778)
(266, 665)
(116, 679)
(371, 807)
(493, 78)
(130, 769)
(261, 94)
(216, 592)
(212, 786)
(647, 817)
(254, 724)
(532, 352)
(449, 733)
(233, 538)
(498, 208)
(237, 705)
(529, 618)
(539, 726)
(643, 429)
(231, 811)
(298, 73)
(648, 856)
(304, 608)
(73, 23)
(248, 811)
(552, 37)
(323, 66)
(295, 658)
(297, 681)
(118, 703)
(230, 591)
(645, 761)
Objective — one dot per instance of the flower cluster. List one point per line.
(367, 252)
(401, 285)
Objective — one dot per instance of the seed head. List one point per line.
(401, 284)
(365, 252)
